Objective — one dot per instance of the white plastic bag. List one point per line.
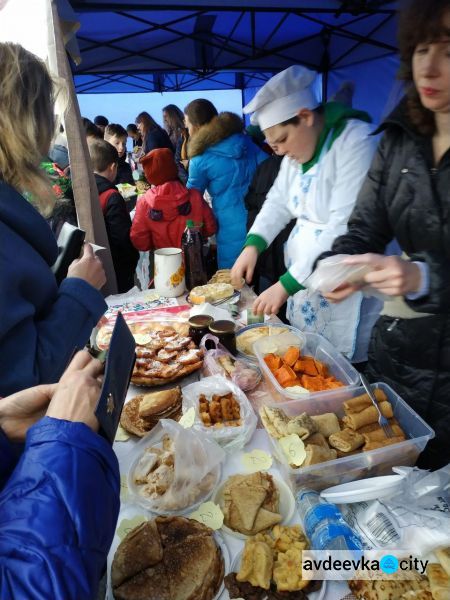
(196, 465)
(331, 272)
(245, 376)
(230, 438)
(417, 518)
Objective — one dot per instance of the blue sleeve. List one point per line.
(58, 514)
(49, 339)
(197, 177)
(8, 458)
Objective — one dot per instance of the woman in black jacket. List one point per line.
(406, 196)
(153, 136)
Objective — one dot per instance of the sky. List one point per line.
(124, 108)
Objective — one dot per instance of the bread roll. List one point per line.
(378, 435)
(368, 415)
(317, 454)
(361, 402)
(346, 440)
(386, 442)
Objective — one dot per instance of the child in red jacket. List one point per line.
(162, 212)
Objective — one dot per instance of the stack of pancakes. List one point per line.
(143, 412)
(168, 558)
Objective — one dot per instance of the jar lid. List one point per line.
(223, 327)
(200, 321)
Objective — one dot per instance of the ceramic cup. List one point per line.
(169, 272)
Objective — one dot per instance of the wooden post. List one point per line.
(89, 213)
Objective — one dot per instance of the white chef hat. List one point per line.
(283, 96)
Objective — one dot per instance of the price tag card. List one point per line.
(121, 435)
(127, 525)
(209, 514)
(187, 420)
(123, 488)
(257, 460)
(294, 449)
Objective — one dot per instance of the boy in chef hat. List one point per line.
(327, 152)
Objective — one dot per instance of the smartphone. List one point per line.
(70, 242)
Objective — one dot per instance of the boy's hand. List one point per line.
(244, 266)
(271, 300)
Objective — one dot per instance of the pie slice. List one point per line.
(247, 501)
(188, 564)
(140, 549)
(151, 584)
(265, 519)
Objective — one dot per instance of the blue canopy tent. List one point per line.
(178, 45)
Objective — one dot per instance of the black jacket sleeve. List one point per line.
(263, 179)
(118, 225)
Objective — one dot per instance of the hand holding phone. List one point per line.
(89, 267)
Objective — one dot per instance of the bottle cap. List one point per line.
(222, 326)
(200, 321)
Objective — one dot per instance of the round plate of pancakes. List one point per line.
(166, 558)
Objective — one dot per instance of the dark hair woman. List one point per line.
(174, 125)
(222, 161)
(406, 196)
(153, 136)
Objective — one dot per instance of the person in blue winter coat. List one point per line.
(40, 324)
(222, 162)
(60, 501)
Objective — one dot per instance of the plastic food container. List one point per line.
(362, 465)
(157, 507)
(311, 344)
(273, 328)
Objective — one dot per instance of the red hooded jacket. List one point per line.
(161, 216)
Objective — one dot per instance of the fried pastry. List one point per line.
(368, 415)
(327, 424)
(302, 425)
(256, 564)
(275, 421)
(346, 440)
(317, 454)
(439, 582)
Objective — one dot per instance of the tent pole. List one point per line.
(90, 216)
(325, 86)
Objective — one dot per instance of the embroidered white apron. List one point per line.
(310, 311)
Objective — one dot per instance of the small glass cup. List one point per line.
(226, 332)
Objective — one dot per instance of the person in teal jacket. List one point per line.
(222, 161)
(59, 501)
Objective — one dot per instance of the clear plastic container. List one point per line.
(311, 344)
(362, 465)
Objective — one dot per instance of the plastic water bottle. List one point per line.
(194, 261)
(324, 524)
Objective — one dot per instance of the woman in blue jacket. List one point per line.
(222, 161)
(40, 324)
(59, 504)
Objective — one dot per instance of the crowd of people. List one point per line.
(306, 181)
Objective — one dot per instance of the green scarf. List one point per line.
(336, 117)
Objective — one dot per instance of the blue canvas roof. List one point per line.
(172, 45)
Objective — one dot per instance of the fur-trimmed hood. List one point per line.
(218, 129)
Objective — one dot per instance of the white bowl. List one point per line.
(364, 489)
(286, 504)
